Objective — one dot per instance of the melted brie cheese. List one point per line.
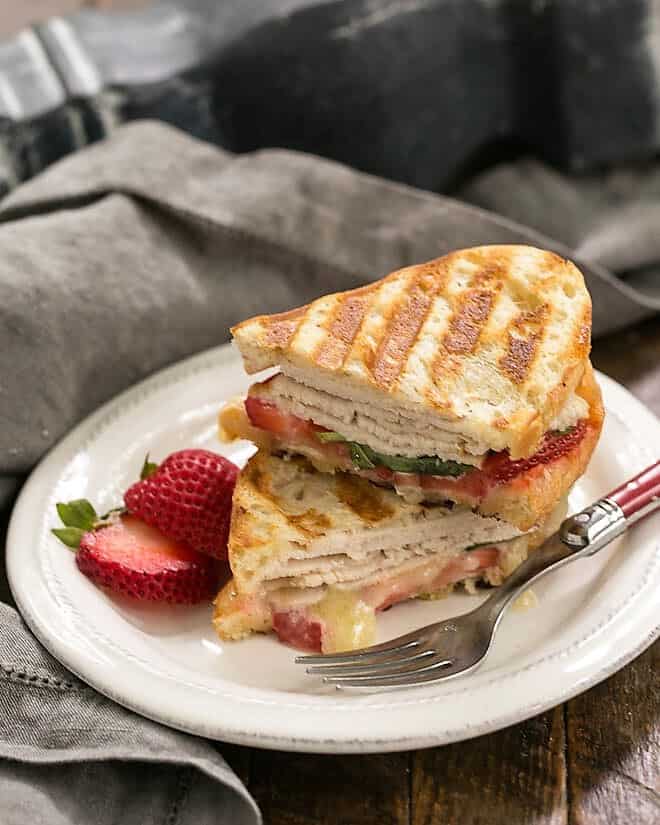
(348, 621)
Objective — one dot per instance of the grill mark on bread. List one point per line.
(524, 334)
(518, 358)
(311, 522)
(529, 378)
(260, 480)
(365, 500)
(342, 328)
(404, 325)
(468, 321)
(399, 337)
(282, 327)
(471, 310)
(491, 269)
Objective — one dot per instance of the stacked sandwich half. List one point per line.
(419, 432)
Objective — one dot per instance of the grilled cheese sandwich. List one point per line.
(304, 543)
(419, 432)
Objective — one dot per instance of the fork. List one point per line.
(458, 645)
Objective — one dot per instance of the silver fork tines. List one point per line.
(373, 653)
(364, 669)
(415, 678)
(378, 675)
(421, 655)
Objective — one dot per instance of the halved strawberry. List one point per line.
(122, 554)
(188, 498)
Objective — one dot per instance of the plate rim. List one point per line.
(121, 405)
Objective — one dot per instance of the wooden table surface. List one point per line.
(594, 760)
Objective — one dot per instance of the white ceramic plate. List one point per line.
(593, 616)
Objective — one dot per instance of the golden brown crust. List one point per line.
(233, 423)
(528, 500)
(515, 552)
(279, 503)
(282, 327)
(237, 615)
(364, 499)
(494, 336)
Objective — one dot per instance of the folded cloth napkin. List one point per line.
(141, 250)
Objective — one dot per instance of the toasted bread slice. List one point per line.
(315, 556)
(294, 526)
(491, 340)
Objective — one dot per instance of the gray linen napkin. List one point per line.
(71, 756)
(146, 248)
(610, 219)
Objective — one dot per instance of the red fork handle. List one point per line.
(636, 494)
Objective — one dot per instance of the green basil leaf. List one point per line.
(360, 456)
(439, 467)
(398, 463)
(364, 458)
(329, 436)
(425, 465)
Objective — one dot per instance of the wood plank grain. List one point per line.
(613, 734)
(302, 789)
(516, 775)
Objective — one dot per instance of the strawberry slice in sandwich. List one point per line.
(465, 379)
